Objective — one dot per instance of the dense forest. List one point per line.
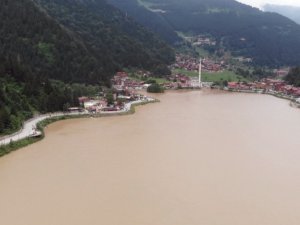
(114, 38)
(21, 100)
(75, 42)
(35, 42)
(269, 38)
(294, 76)
(153, 21)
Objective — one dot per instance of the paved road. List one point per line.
(29, 127)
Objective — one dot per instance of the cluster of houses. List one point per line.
(93, 105)
(271, 86)
(192, 64)
(243, 59)
(123, 92)
(121, 81)
(178, 81)
(280, 73)
(101, 104)
(202, 40)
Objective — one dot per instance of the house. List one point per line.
(233, 85)
(83, 99)
(91, 103)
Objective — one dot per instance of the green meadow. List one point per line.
(213, 77)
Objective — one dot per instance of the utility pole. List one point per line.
(200, 72)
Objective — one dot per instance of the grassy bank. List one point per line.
(13, 146)
(158, 80)
(213, 77)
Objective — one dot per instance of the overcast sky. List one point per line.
(260, 3)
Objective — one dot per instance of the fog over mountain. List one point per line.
(261, 3)
(291, 12)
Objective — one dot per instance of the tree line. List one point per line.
(20, 99)
(293, 76)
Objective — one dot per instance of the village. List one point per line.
(129, 89)
(177, 80)
(117, 100)
(110, 103)
(274, 87)
(192, 64)
(126, 85)
(126, 89)
(201, 40)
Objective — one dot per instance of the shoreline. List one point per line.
(292, 100)
(9, 143)
(14, 142)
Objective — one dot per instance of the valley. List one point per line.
(220, 146)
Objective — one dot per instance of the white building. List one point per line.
(91, 103)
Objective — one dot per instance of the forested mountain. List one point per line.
(76, 41)
(39, 46)
(83, 41)
(154, 21)
(114, 38)
(269, 38)
(20, 100)
(291, 12)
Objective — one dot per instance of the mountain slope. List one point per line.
(72, 41)
(35, 42)
(270, 39)
(76, 41)
(110, 34)
(147, 18)
(291, 12)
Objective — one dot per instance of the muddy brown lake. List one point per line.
(195, 158)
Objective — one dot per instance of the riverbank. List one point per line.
(195, 154)
(292, 100)
(24, 137)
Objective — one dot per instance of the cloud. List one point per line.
(261, 3)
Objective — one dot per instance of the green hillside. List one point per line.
(41, 47)
(269, 38)
(153, 21)
(115, 39)
(74, 41)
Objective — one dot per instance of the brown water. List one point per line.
(196, 158)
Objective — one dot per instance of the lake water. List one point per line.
(195, 158)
